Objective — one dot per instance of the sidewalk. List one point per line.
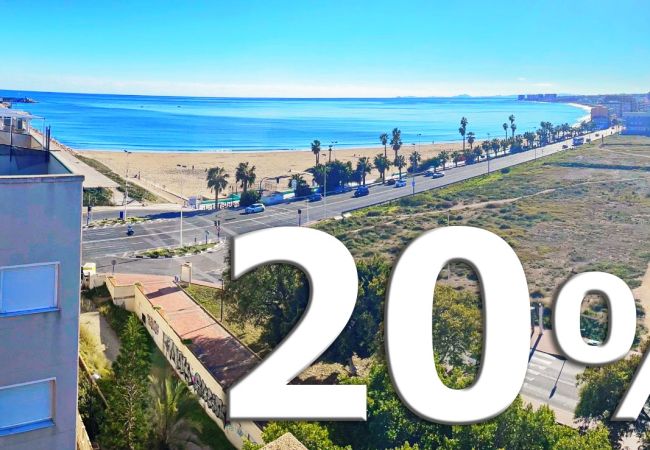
(222, 354)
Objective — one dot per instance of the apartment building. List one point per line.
(40, 244)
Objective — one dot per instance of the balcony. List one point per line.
(24, 162)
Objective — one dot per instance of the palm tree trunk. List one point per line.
(385, 152)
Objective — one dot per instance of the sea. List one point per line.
(161, 123)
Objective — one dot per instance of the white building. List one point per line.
(40, 244)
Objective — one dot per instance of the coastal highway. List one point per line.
(103, 245)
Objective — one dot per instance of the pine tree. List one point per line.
(126, 422)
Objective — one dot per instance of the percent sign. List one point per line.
(265, 392)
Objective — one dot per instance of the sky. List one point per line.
(335, 48)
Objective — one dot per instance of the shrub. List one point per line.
(249, 197)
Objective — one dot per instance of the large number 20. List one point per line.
(265, 394)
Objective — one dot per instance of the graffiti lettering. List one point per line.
(179, 361)
(152, 324)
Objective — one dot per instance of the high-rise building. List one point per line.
(40, 244)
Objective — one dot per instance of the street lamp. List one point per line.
(487, 155)
(126, 184)
(181, 167)
(332, 144)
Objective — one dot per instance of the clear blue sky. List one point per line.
(326, 48)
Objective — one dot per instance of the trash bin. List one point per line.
(121, 215)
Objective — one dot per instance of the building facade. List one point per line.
(40, 245)
(637, 123)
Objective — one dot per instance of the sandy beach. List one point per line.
(162, 168)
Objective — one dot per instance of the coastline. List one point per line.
(163, 168)
(184, 171)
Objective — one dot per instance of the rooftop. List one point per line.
(23, 162)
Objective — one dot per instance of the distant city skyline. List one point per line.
(328, 49)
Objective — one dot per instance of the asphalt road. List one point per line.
(104, 245)
(551, 380)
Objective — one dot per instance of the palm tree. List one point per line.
(297, 178)
(513, 127)
(495, 144)
(415, 159)
(382, 164)
(315, 149)
(504, 145)
(383, 138)
(529, 136)
(455, 157)
(444, 157)
(512, 124)
(471, 137)
(400, 163)
(486, 146)
(172, 406)
(396, 141)
(463, 129)
(245, 175)
(217, 179)
(364, 167)
(505, 128)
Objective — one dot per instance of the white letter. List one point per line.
(506, 326)
(264, 393)
(622, 318)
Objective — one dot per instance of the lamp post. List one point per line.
(487, 155)
(181, 167)
(126, 184)
(332, 144)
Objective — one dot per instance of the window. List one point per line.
(26, 407)
(26, 289)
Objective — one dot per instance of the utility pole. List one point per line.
(126, 184)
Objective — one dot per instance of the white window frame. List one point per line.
(30, 426)
(56, 306)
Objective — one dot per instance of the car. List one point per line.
(315, 197)
(437, 174)
(390, 181)
(341, 189)
(254, 208)
(597, 134)
(400, 183)
(361, 191)
(565, 146)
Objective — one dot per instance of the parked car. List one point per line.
(400, 183)
(315, 197)
(390, 181)
(361, 191)
(437, 174)
(254, 208)
(565, 146)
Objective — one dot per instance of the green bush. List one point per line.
(249, 197)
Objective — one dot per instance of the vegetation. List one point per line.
(247, 198)
(169, 252)
(601, 390)
(217, 179)
(97, 197)
(126, 425)
(135, 192)
(246, 176)
(172, 405)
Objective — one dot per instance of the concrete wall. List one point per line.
(188, 367)
(19, 140)
(40, 222)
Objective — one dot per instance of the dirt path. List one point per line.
(97, 325)
(642, 293)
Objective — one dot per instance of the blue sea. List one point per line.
(157, 123)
